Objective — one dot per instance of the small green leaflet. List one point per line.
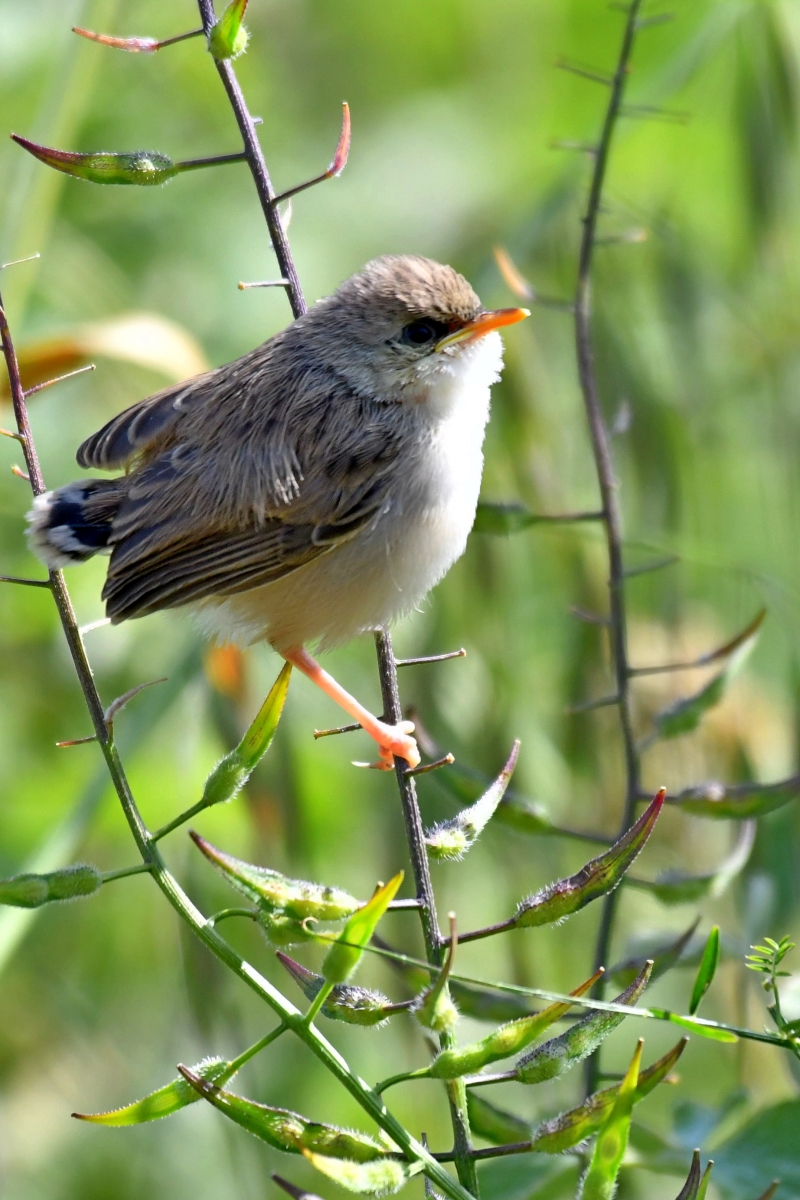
(686, 714)
(706, 971)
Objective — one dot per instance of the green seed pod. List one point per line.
(597, 878)
(287, 1130)
(345, 953)
(453, 838)
(234, 770)
(569, 1129)
(371, 1179)
(282, 930)
(507, 1040)
(577, 1043)
(142, 168)
(274, 892)
(228, 38)
(354, 1005)
(600, 1180)
(167, 1100)
(437, 1011)
(68, 883)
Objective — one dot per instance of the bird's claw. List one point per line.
(397, 740)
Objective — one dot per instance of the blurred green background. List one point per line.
(456, 106)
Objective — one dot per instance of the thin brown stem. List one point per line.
(601, 447)
(434, 944)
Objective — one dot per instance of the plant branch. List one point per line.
(601, 447)
(434, 944)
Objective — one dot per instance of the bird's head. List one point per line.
(404, 323)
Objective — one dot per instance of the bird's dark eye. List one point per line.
(423, 332)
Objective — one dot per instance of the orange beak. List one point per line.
(484, 324)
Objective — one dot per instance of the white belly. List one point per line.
(384, 572)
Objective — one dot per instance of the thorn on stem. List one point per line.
(117, 705)
(430, 658)
(17, 261)
(447, 761)
(39, 387)
(20, 474)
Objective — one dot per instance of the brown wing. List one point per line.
(132, 431)
(248, 475)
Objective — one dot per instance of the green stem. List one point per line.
(225, 913)
(124, 872)
(176, 822)
(257, 1047)
(318, 1001)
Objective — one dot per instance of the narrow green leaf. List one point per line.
(354, 1005)
(558, 1055)
(503, 1042)
(276, 893)
(599, 1182)
(228, 38)
(494, 1124)
(571, 1128)
(167, 1100)
(690, 1189)
(371, 1179)
(345, 953)
(704, 1182)
(143, 168)
(673, 887)
(486, 1005)
(686, 714)
(718, 801)
(233, 771)
(284, 1129)
(451, 839)
(706, 1029)
(707, 970)
(665, 955)
(596, 879)
(67, 883)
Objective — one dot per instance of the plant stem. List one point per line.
(601, 448)
(258, 168)
(434, 944)
(290, 1016)
(123, 872)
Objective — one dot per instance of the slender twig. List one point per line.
(430, 658)
(434, 944)
(601, 447)
(38, 583)
(40, 387)
(258, 168)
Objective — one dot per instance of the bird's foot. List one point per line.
(395, 740)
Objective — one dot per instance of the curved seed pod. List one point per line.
(577, 1043)
(494, 1124)
(507, 1040)
(569, 1129)
(596, 879)
(167, 1100)
(371, 1179)
(68, 883)
(434, 1007)
(274, 892)
(287, 1130)
(691, 1189)
(233, 771)
(451, 839)
(228, 38)
(143, 168)
(345, 953)
(600, 1180)
(355, 1005)
(282, 930)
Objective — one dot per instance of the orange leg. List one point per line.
(391, 739)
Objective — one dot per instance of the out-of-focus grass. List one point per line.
(454, 108)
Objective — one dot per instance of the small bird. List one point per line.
(315, 488)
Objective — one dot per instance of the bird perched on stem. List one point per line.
(313, 489)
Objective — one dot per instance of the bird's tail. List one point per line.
(74, 522)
